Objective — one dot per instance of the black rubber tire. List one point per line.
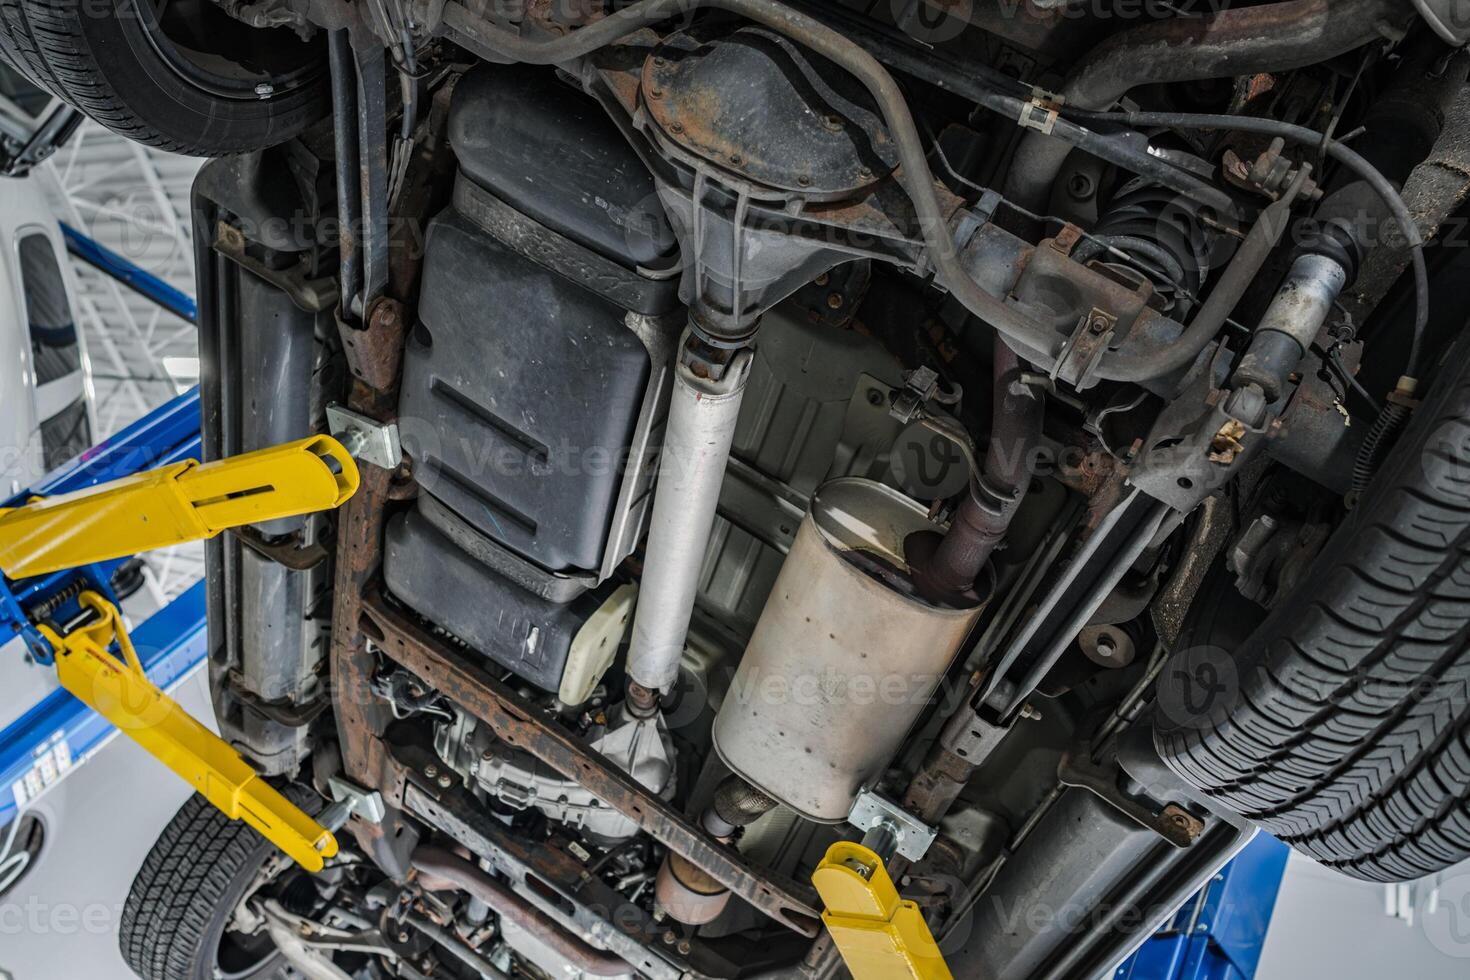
(188, 888)
(1342, 724)
(97, 55)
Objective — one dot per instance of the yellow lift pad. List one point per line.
(121, 692)
(880, 936)
(173, 505)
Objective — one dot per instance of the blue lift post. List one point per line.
(1219, 934)
(60, 732)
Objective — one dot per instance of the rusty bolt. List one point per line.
(804, 180)
(431, 770)
(669, 937)
(403, 937)
(446, 781)
(833, 123)
(656, 93)
(823, 279)
(736, 159)
(676, 126)
(386, 316)
(835, 301)
(684, 947)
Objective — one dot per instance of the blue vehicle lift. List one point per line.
(1219, 934)
(52, 737)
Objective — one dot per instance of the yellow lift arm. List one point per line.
(174, 505)
(880, 936)
(169, 506)
(121, 692)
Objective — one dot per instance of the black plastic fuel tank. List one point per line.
(537, 374)
(524, 382)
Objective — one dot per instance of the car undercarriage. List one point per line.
(1026, 439)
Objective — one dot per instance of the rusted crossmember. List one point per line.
(447, 669)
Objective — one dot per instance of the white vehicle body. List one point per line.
(46, 403)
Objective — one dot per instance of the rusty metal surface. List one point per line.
(375, 353)
(443, 871)
(1173, 823)
(361, 717)
(756, 105)
(445, 669)
(560, 879)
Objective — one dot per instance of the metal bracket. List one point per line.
(366, 439)
(878, 816)
(1042, 112)
(1173, 823)
(1079, 356)
(352, 801)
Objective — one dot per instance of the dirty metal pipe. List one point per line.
(702, 417)
(1236, 41)
(688, 893)
(981, 524)
(441, 871)
(349, 193)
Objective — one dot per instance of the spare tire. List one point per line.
(181, 75)
(1342, 724)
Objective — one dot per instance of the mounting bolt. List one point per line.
(265, 90)
(446, 781)
(431, 770)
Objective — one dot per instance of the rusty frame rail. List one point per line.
(446, 669)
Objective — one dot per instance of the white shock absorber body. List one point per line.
(702, 417)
